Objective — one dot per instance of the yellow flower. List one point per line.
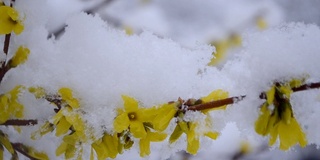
(9, 21)
(9, 105)
(132, 117)
(150, 137)
(280, 122)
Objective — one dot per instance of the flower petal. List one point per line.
(121, 122)
(137, 129)
(130, 104)
(144, 145)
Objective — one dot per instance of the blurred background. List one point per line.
(219, 23)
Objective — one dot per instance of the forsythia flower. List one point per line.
(132, 117)
(9, 21)
(189, 128)
(280, 122)
(150, 137)
(222, 48)
(19, 57)
(107, 146)
(9, 105)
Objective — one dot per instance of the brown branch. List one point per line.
(22, 149)
(232, 100)
(215, 104)
(18, 122)
(6, 43)
(304, 87)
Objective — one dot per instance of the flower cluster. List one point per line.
(147, 125)
(280, 121)
(67, 122)
(10, 106)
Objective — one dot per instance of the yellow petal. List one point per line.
(62, 127)
(262, 122)
(47, 127)
(147, 114)
(6, 142)
(130, 104)
(4, 106)
(76, 121)
(101, 150)
(91, 154)
(273, 120)
(1, 152)
(286, 90)
(212, 135)
(270, 95)
(286, 114)
(38, 92)
(70, 152)
(71, 139)
(156, 136)
(175, 134)
(193, 144)
(66, 94)
(9, 20)
(221, 50)
(301, 135)
(287, 138)
(215, 95)
(137, 129)
(111, 142)
(296, 83)
(61, 149)
(121, 122)
(273, 134)
(291, 134)
(144, 145)
(19, 57)
(164, 115)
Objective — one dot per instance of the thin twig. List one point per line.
(18, 122)
(304, 87)
(216, 104)
(6, 43)
(21, 149)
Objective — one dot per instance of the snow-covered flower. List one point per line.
(132, 117)
(19, 57)
(280, 122)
